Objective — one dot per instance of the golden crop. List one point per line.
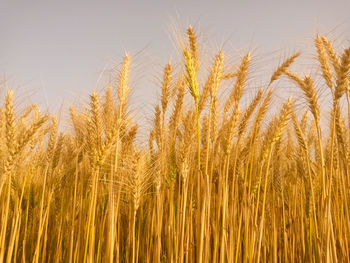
(218, 182)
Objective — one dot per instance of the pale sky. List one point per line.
(54, 51)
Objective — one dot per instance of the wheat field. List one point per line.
(218, 178)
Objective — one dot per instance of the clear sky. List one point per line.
(55, 51)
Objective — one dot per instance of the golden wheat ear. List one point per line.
(123, 81)
(191, 74)
(192, 38)
(248, 112)
(277, 127)
(178, 108)
(10, 132)
(331, 53)
(237, 91)
(10, 122)
(323, 60)
(217, 74)
(53, 137)
(214, 79)
(283, 67)
(166, 86)
(342, 75)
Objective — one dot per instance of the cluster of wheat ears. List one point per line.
(217, 182)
